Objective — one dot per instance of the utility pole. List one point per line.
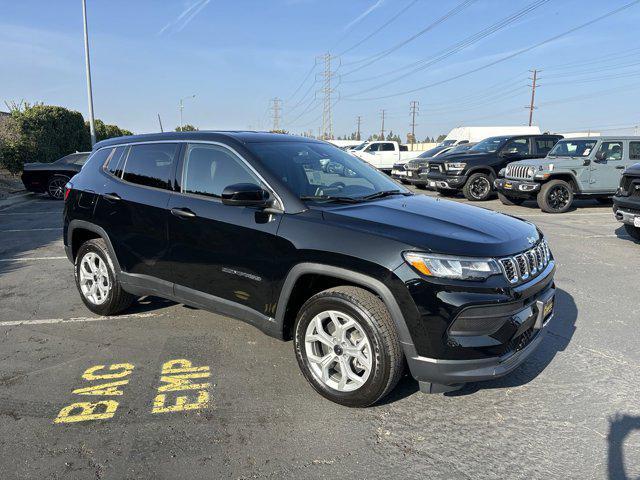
(277, 109)
(87, 62)
(415, 107)
(160, 122)
(181, 107)
(383, 112)
(327, 90)
(533, 86)
(359, 120)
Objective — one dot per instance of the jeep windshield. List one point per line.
(322, 172)
(489, 145)
(572, 148)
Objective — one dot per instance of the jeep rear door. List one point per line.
(604, 175)
(220, 251)
(132, 207)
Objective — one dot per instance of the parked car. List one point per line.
(51, 177)
(626, 202)
(460, 135)
(361, 274)
(384, 154)
(474, 171)
(420, 165)
(576, 168)
(407, 170)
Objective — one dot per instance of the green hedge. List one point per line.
(45, 133)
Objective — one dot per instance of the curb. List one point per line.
(15, 200)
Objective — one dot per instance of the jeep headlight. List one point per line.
(443, 266)
(531, 171)
(455, 166)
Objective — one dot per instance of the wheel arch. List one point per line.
(567, 177)
(80, 231)
(294, 293)
(483, 169)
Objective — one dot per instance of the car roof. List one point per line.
(607, 138)
(207, 135)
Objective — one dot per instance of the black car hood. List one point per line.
(633, 170)
(461, 157)
(439, 226)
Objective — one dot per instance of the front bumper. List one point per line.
(408, 175)
(625, 213)
(443, 180)
(449, 374)
(516, 187)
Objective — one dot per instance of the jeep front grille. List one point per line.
(526, 265)
(518, 172)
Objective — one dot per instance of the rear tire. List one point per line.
(555, 196)
(365, 344)
(96, 280)
(506, 200)
(478, 187)
(56, 185)
(634, 232)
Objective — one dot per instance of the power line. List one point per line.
(505, 58)
(374, 58)
(453, 49)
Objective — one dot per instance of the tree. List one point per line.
(104, 131)
(440, 138)
(187, 128)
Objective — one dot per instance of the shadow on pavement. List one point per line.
(621, 233)
(620, 427)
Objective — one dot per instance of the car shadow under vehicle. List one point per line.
(621, 233)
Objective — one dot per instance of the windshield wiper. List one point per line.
(384, 193)
(330, 198)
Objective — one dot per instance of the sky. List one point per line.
(466, 62)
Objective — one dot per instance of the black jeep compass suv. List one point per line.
(357, 270)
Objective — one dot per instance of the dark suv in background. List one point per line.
(357, 270)
(474, 171)
(626, 202)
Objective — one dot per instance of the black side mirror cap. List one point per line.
(246, 195)
(601, 157)
(587, 162)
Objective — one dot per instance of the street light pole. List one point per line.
(181, 107)
(92, 126)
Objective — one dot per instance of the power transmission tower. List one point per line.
(277, 109)
(359, 120)
(327, 91)
(415, 108)
(533, 86)
(383, 112)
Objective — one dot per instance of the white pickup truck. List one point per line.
(384, 154)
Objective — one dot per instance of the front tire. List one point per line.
(478, 187)
(555, 196)
(507, 200)
(347, 346)
(634, 232)
(96, 280)
(56, 185)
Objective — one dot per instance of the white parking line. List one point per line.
(76, 319)
(29, 259)
(54, 212)
(30, 230)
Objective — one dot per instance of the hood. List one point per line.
(462, 157)
(438, 226)
(633, 169)
(544, 162)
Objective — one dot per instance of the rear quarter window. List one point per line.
(151, 164)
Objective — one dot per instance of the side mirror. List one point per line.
(245, 195)
(601, 156)
(587, 162)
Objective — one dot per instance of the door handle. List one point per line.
(112, 196)
(619, 167)
(182, 213)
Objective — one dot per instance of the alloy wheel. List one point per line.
(480, 188)
(338, 350)
(558, 197)
(56, 188)
(94, 278)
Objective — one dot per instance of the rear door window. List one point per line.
(151, 164)
(634, 150)
(544, 145)
(114, 167)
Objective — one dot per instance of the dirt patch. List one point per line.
(9, 184)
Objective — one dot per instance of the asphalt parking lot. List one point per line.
(571, 411)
